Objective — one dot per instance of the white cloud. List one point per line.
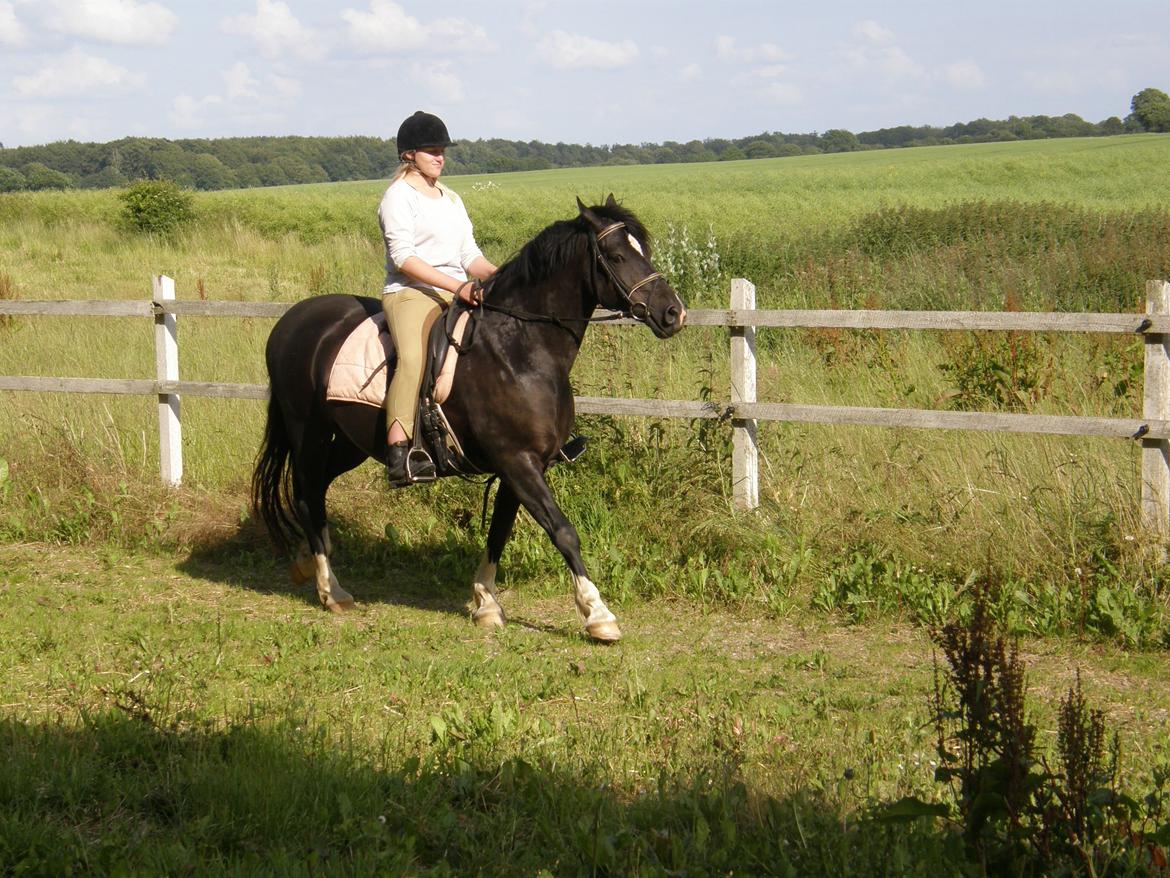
(124, 22)
(286, 88)
(726, 49)
(440, 82)
(240, 83)
(874, 52)
(965, 74)
(388, 27)
(191, 113)
(11, 31)
(244, 95)
(565, 51)
(75, 74)
(782, 93)
(690, 73)
(770, 71)
(872, 32)
(275, 30)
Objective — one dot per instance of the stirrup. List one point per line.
(573, 449)
(408, 466)
(419, 466)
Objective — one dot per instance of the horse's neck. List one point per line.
(547, 319)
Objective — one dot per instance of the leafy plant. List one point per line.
(1003, 370)
(156, 207)
(1018, 815)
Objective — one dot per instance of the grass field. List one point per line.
(164, 717)
(172, 701)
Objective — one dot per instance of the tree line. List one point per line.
(245, 162)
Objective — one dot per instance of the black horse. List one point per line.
(511, 405)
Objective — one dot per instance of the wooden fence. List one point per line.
(743, 411)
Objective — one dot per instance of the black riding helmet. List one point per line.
(422, 129)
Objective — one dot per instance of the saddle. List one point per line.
(366, 359)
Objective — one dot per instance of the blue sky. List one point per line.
(601, 72)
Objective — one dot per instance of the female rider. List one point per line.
(430, 253)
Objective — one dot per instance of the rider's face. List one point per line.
(430, 159)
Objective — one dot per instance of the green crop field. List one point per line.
(170, 702)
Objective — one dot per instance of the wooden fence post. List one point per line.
(166, 358)
(745, 454)
(1156, 405)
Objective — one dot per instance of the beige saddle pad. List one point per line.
(359, 372)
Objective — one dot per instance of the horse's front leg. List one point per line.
(528, 483)
(488, 613)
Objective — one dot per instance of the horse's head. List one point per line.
(629, 283)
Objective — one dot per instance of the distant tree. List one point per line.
(839, 140)
(759, 149)
(38, 176)
(106, 178)
(209, 172)
(732, 154)
(1112, 125)
(11, 180)
(1151, 109)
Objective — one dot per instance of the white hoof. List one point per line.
(334, 605)
(487, 612)
(333, 597)
(488, 617)
(604, 632)
(600, 623)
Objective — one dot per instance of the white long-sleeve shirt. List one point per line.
(436, 230)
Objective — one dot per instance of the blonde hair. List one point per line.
(404, 167)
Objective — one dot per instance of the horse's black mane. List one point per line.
(561, 244)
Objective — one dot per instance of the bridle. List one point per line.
(636, 309)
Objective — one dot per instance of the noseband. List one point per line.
(626, 293)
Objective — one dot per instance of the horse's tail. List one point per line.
(272, 495)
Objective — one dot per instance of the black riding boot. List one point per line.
(402, 471)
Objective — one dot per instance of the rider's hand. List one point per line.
(471, 292)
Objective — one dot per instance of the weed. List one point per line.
(1008, 370)
(1017, 815)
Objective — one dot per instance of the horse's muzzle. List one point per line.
(667, 321)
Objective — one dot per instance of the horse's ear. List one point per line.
(581, 205)
(610, 202)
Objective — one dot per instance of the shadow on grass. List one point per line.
(434, 575)
(119, 795)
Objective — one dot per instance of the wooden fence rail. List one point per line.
(742, 410)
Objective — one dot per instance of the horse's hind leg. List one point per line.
(317, 465)
(487, 612)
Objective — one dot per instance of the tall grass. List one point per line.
(1066, 225)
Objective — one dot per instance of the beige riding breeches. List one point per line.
(410, 314)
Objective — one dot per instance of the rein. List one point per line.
(529, 317)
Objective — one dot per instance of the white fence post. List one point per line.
(166, 358)
(745, 454)
(1156, 405)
